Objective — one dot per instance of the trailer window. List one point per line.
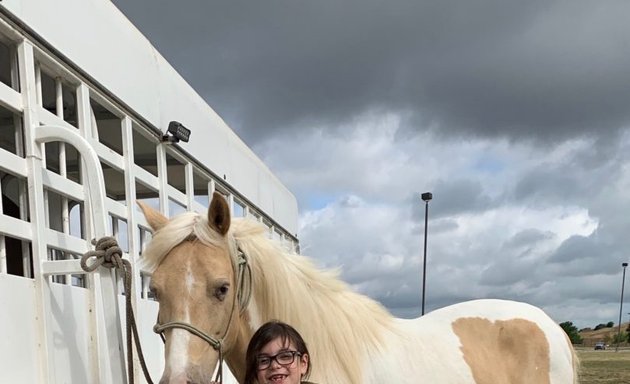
(119, 230)
(175, 208)
(58, 97)
(8, 66)
(59, 214)
(200, 186)
(114, 183)
(11, 137)
(176, 173)
(16, 257)
(144, 153)
(109, 127)
(238, 209)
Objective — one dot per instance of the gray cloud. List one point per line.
(527, 238)
(534, 69)
(576, 247)
(455, 197)
(513, 113)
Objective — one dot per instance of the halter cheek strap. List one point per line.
(243, 295)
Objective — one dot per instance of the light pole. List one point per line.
(623, 282)
(426, 197)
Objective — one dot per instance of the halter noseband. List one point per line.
(243, 295)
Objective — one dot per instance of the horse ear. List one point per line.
(155, 219)
(219, 214)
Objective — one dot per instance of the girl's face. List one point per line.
(280, 363)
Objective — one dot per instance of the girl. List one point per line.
(277, 354)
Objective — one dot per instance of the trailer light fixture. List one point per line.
(176, 132)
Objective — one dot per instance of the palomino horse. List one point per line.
(217, 281)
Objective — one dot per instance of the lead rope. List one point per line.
(108, 254)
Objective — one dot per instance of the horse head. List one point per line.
(194, 279)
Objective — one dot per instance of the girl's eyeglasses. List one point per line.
(282, 358)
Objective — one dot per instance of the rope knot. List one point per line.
(106, 253)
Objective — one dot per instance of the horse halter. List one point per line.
(243, 295)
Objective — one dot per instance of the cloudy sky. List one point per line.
(515, 114)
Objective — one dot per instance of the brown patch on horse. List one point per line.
(219, 214)
(512, 351)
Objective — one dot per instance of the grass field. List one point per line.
(604, 367)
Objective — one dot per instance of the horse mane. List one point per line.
(185, 226)
(339, 325)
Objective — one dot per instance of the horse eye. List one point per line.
(153, 293)
(221, 291)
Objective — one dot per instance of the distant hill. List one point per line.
(606, 335)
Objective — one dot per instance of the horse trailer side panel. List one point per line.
(146, 317)
(18, 330)
(70, 311)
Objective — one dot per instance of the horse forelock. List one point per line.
(183, 227)
(335, 322)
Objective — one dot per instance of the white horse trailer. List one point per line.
(85, 102)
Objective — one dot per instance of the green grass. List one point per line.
(604, 367)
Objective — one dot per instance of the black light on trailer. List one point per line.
(176, 132)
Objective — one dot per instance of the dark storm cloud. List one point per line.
(575, 177)
(527, 150)
(504, 272)
(489, 67)
(459, 196)
(453, 197)
(576, 247)
(583, 255)
(549, 185)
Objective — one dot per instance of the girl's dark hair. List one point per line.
(266, 333)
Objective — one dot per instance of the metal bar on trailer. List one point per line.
(84, 122)
(163, 179)
(190, 185)
(62, 267)
(3, 249)
(10, 98)
(65, 217)
(3, 256)
(29, 85)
